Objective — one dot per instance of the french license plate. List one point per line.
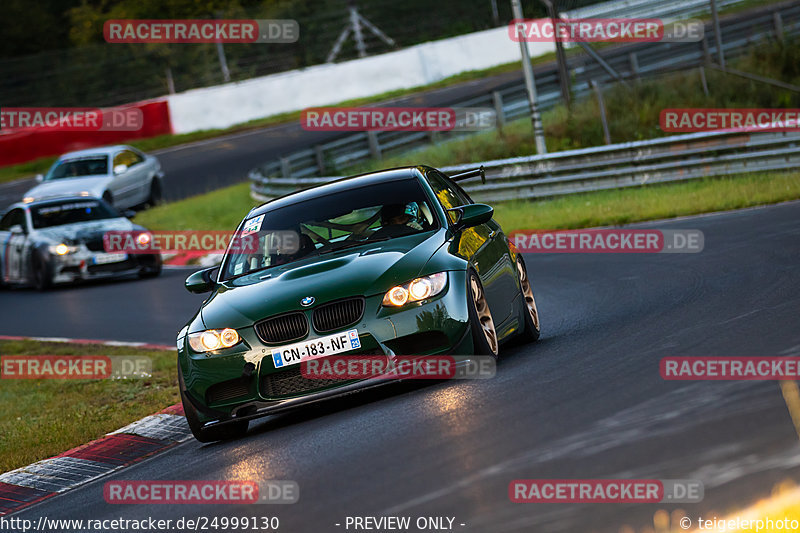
(321, 347)
(102, 259)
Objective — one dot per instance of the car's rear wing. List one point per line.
(474, 173)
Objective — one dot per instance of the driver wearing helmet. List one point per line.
(397, 220)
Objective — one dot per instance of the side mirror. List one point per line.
(39, 178)
(202, 281)
(120, 169)
(16, 229)
(472, 215)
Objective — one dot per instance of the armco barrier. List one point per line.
(681, 157)
(27, 144)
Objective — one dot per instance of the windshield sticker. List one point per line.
(253, 225)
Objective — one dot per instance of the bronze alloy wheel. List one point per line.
(527, 292)
(484, 315)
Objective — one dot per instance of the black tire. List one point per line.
(484, 336)
(232, 430)
(155, 193)
(529, 311)
(41, 276)
(151, 271)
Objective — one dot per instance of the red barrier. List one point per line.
(22, 145)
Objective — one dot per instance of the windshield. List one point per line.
(322, 225)
(73, 168)
(48, 215)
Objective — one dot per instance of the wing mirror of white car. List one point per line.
(120, 169)
(39, 178)
(16, 229)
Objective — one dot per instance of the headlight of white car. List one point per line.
(62, 249)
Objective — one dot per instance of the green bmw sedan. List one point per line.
(386, 264)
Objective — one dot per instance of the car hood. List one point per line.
(83, 231)
(95, 185)
(363, 271)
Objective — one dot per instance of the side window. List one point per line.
(13, 218)
(137, 157)
(449, 194)
(462, 193)
(127, 158)
(5, 222)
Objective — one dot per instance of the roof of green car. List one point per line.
(362, 180)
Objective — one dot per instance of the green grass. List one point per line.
(44, 417)
(26, 170)
(223, 209)
(650, 202)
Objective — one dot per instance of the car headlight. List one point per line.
(62, 249)
(213, 339)
(415, 290)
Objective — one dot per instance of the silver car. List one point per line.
(61, 240)
(121, 175)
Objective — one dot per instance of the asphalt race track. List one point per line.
(587, 401)
(123, 310)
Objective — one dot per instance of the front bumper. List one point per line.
(239, 382)
(257, 409)
(82, 265)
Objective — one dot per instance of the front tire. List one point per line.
(484, 336)
(155, 193)
(530, 312)
(40, 272)
(152, 271)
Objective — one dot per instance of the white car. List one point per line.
(121, 175)
(47, 242)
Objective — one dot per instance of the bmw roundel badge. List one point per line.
(308, 300)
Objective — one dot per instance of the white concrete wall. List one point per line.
(235, 103)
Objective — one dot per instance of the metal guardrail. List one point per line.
(676, 158)
(510, 101)
(662, 9)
